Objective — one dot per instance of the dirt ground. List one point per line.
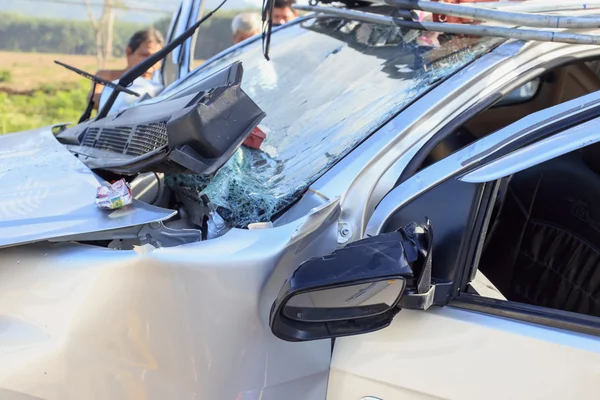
(30, 71)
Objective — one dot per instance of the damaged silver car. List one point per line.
(449, 176)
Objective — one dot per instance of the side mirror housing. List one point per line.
(352, 291)
(522, 94)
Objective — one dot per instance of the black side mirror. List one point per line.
(354, 290)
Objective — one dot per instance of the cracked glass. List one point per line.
(330, 83)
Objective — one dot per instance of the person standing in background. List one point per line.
(283, 12)
(245, 25)
(141, 45)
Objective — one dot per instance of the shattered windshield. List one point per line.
(330, 83)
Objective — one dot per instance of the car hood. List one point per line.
(47, 193)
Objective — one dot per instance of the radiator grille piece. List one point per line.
(130, 140)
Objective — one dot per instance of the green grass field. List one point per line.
(35, 92)
(44, 106)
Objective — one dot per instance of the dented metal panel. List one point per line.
(46, 192)
(186, 322)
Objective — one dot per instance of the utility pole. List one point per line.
(97, 27)
(104, 28)
(110, 22)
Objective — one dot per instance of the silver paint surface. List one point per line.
(187, 322)
(46, 192)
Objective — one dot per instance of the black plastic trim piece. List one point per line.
(474, 232)
(465, 253)
(482, 230)
(559, 319)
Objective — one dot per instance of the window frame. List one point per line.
(560, 319)
(167, 61)
(178, 63)
(467, 265)
(545, 316)
(488, 102)
(473, 236)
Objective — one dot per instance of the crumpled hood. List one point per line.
(47, 193)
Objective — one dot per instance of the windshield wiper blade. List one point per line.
(139, 69)
(97, 80)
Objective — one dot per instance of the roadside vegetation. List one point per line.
(47, 105)
(47, 35)
(5, 76)
(35, 92)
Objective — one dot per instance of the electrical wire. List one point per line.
(77, 3)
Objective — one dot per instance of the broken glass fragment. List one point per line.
(329, 85)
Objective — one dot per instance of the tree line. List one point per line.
(24, 34)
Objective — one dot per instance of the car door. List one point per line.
(476, 345)
(179, 62)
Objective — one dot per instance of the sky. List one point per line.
(142, 11)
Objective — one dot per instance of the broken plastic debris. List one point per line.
(113, 196)
(255, 139)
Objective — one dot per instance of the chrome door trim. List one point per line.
(182, 24)
(557, 145)
(189, 45)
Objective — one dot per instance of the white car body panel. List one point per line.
(453, 354)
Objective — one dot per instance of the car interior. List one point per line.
(543, 239)
(543, 242)
(555, 87)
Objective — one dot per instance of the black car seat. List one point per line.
(544, 246)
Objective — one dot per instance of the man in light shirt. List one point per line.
(245, 25)
(141, 45)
